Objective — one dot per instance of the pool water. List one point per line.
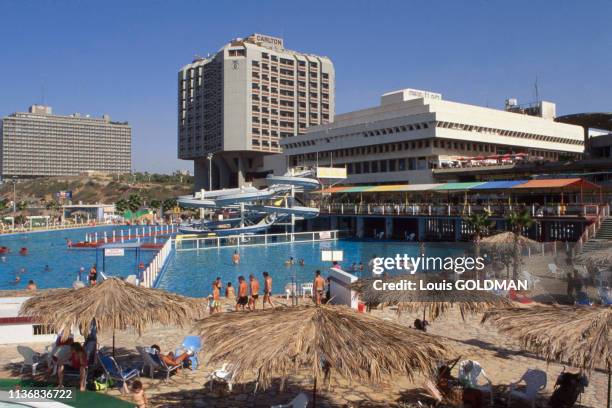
(191, 273)
(49, 248)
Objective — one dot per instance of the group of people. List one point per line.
(247, 296)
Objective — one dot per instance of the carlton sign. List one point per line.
(266, 39)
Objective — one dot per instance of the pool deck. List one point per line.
(499, 355)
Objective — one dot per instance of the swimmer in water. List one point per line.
(47, 268)
(3, 258)
(289, 261)
(302, 262)
(17, 280)
(236, 258)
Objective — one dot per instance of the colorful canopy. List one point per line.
(569, 183)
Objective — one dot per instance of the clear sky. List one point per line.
(122, 57)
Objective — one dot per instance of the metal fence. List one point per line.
(194, 243)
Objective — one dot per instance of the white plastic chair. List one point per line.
(470, 378)
(535, 381)
(531, 279)
(30, 358)
(553, 269)
(290, 289)
(307, 287)
(223, 374)
(301, 401)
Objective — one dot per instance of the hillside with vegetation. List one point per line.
(99, 189)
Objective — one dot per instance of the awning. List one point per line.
(398, 188)
(498, 185)
(333, 189)
(576, 183)
(358, 189)
(458, 186)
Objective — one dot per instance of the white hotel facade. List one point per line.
(413, 132)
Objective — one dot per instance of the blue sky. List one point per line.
(122, 58)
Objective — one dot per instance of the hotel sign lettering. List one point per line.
(268, 40)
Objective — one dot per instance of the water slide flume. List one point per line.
(256, 213)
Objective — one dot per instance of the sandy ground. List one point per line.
(501, 358)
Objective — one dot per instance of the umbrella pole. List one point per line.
(609, 384)
(113, 342)
(314, 393)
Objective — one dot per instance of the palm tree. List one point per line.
(134, 202)
(22, 206)
(168, 204)
(481, 224)
(52, 206)
(518, 221)
(156, 205)
(121, 206)
(4, 203)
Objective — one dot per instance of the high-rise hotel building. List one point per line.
(235, 107)
(37, 143)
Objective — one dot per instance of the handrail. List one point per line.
(194, 243)
(151, 272)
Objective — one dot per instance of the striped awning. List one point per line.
(458, 186)
(575, 183)
(498, 185)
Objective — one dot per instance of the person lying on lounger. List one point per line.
(170, 359)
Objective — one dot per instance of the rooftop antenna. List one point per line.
(537, 92)
(42, 92)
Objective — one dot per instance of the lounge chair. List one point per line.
(114, 372)
(535, 381)
(582, 299)
(31, 358)
(301, 401)
(152, 361)
(470, 373)
(307, 287)
(553, 269)
(605, 296)
(193, 344)
(223, 374)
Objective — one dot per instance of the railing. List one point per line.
(151, 272)
(194, 243)
(558, 210)
(591, 230)
(52, 227)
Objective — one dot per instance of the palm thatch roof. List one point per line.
(114, 304)
(358, 346)
(507, 238)
(599, 257)
(580, 336)
(434, 302)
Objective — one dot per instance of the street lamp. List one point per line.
(210, 156)
(14, 195)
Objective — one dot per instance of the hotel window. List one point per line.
(383, 166)
(358, 168)
(401, 164)
(366, 167)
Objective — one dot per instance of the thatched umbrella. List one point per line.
(507, 238)
(114, 304)
(599, 257)
(321, 339)
(580, 336)
(436, 302)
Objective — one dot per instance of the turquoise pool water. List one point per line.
(49, 248)
(192, 272)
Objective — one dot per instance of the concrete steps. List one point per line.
(603, 237)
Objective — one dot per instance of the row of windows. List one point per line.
(509, 133)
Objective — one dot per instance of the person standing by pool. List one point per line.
(267, 290)
(216, 301)
(93, 275)
(243, 299)
(236, 258)
(80, 273)
(254, 289)
(229, 291)
(319, 287)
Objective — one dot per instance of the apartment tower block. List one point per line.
(234, 108)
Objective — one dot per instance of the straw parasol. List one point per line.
(436, 302)
(507, 238)
(114, 304)
(321, 339)
(598, 257)
(580, 336)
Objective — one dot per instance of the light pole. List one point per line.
(210, 156)
(14, 195)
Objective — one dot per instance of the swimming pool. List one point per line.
(49, 248)
(191, 272)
